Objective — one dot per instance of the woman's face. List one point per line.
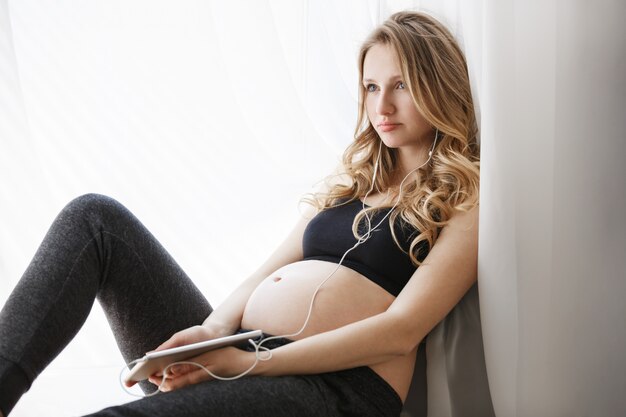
(390, 108)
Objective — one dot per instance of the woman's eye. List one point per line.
(401, 85)
(370, 87)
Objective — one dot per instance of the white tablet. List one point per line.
(154, 362)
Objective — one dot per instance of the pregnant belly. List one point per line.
(280, 304)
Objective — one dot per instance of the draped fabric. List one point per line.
(553, 198)
(210, 119)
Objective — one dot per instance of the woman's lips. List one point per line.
(388, 127)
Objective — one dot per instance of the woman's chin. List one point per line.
(390, 142)
(398, 142)
(393, 143)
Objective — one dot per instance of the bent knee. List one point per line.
(88, 205)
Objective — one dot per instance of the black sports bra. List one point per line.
(329, 235)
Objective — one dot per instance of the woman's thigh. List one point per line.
(252, 396)
(353, 393)
(145, 294)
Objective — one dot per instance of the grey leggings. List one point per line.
(97, 249)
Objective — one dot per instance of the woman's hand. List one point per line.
(191, 335)
(186, 337)
(225, 362)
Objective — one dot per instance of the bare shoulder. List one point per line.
(458, 241)
(463, 221)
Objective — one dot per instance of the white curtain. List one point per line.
(210, 119)
(553, 235)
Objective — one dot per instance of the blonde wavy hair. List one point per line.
(435, 72)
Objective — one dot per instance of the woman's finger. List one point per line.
(170, 372)
(181, 369)
(176, 370)
(173, 341)
(156, 380)
(187, 336)
(184, 380)
(129, 384)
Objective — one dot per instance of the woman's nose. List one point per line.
(384, 105)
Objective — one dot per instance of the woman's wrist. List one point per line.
(261, 368)
(219, 328)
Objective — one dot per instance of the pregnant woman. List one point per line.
(386, 250)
